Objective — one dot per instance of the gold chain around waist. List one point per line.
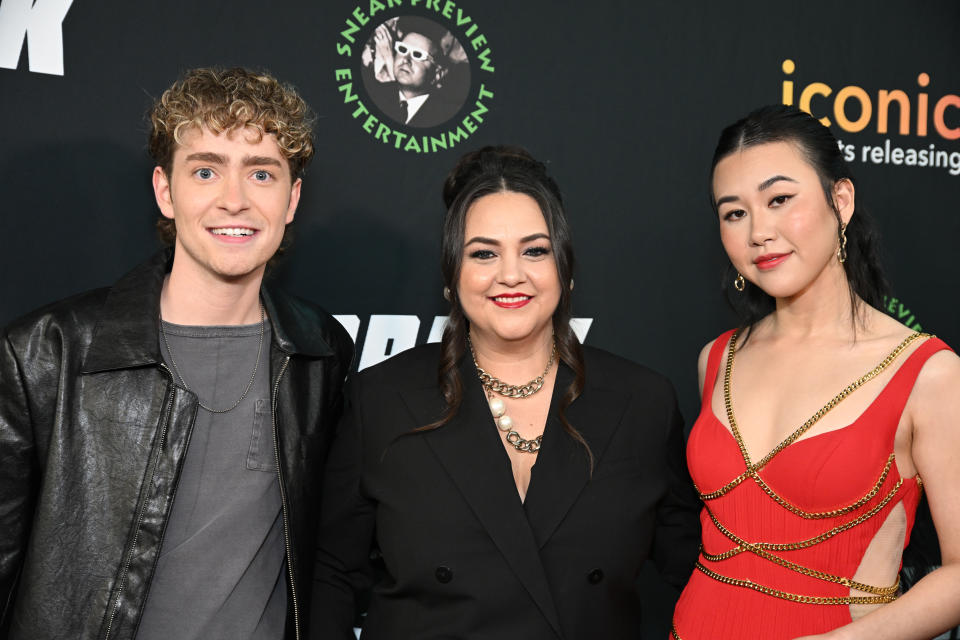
(826, 535)
(795, 597)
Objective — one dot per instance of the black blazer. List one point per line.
(462, 556)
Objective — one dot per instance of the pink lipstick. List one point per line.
(770, 260)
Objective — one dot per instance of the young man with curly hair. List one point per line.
(162, 440)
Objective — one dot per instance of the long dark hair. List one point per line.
(489, 170)
(780, 123)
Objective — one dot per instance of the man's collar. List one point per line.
(128, 326)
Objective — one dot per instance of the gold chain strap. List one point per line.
(826, 535)
(853, 386)
(819, 515)
(795, 597)
(807, 571)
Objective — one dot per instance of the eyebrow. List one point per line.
(249, 161)
(216, 158)
(763, 186)
(769, 182)
(485, 240)
(207, 156)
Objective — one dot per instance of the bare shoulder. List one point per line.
(939, 382)
(702, 364)
(704, 358)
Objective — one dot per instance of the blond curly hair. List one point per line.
(223, 100)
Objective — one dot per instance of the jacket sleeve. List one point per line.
(343, 573)
(18, 474)
(677, 536)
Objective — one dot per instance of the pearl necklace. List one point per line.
(498, 408)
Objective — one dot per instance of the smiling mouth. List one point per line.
(233, 232)
(512, 301)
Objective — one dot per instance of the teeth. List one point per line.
(234, 232)
(511, 299)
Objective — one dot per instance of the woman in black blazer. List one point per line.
(431, 478)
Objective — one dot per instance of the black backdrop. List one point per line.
(624, 100)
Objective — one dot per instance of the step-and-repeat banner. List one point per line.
(624, 101)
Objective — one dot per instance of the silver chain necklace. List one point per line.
(493, 384)
(253, 375)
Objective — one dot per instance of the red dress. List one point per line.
(783, 537)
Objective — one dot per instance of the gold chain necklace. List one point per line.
(492, 384)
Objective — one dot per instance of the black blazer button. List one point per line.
(595, 576)
(444, 574)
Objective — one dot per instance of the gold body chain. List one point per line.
(764, 549)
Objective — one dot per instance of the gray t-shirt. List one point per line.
(222, 569)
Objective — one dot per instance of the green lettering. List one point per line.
(343, 49)
(362, 19)
(485, 57)
(343, 74)
(479, 41)
(472, 28)
(469, 125)
(394, 3)
(917, 327)
(348, 94)
(383, 130)
(398, 137)
(360, 110)
(484, 93)
(376, 7)
(456, 136)
(480, 110)
(435, 143)
(412, 145)
(347, 34)
(368, 123)
(434, 4)
(460, 19)
(448, 9)
(891, 304)
(903, 311)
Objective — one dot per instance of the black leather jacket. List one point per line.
(93, 434)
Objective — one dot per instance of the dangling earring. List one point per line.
(842, 250)
(571, 284)
(446, 294)
(739, 283)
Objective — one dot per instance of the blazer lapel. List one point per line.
(470, 450)
(562, 469)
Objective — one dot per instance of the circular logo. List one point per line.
(414, 80)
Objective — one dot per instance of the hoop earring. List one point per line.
(739, 283)
(446, 294)
(842, 250)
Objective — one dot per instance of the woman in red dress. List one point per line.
(823, 419)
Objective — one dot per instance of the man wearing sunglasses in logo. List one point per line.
(415, 97)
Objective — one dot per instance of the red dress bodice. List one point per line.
(782, 541)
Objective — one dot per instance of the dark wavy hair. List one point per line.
(498, 169)
(780, 123)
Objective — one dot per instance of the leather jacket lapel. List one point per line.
(470, 450)
(129, 322)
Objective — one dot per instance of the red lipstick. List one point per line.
(770, 260)
(511, 300)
